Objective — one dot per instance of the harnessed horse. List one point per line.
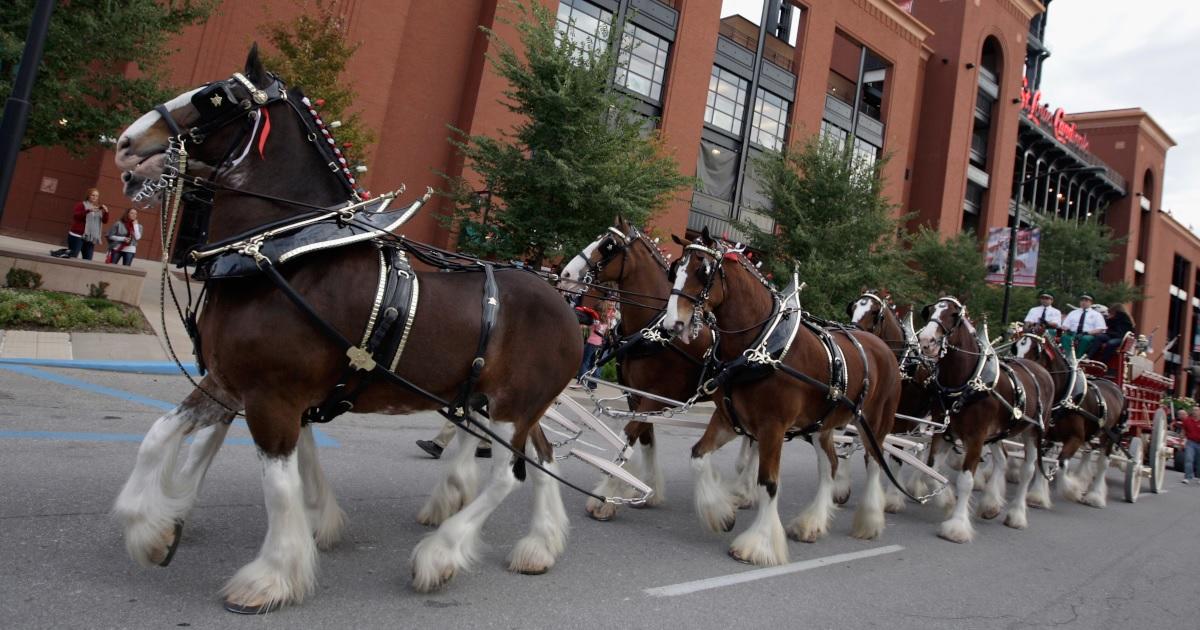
(298, 272)
(1084, 408)
(782, 375)
(986, 400)
(648, 357)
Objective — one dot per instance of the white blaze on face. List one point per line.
(672, 314)
(148, 120)
(931, 333)
(861, 308)
(1024, 347)
(577, 267)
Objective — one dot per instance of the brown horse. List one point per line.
(1084, 408)
(649, 359)
(265, 356)
(773, 404)
(987, 400)
(876, 315)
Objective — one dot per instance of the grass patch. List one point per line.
(23, 309)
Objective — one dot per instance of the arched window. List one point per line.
(980, 160)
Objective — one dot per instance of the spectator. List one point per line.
(1191, 456)
(1119, 322)
(438, 444)
(122, 239)
(1081, 326)
(87, 225)
(593, 342)
(1044, 318)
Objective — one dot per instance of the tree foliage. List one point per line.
(313, 50)
(85, 89)
(1072, 256)
(577, 158)
(832, 221)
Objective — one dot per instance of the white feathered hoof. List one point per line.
(531, 557)
(1038, 500)
(600, 510)
(719, 518)
(446, 501)
(805, 528)
(1016, 519)
(894, 503)
(760, 548)
(1094, 499)
(957, 530)
(841, 495)
(742, 502)
(328, 531)
(1071, 488)
(434, 562)
(989, 508)
(152, 542)
(868, 525)
(257, 588)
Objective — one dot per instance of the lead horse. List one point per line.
(798, 380)
(265, 156)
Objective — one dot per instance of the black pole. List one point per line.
(16, 110)
(1012, 231)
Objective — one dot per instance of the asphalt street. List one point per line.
(68, 440)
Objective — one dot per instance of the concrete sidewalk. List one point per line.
(104, 346)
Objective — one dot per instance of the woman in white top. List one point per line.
(123, 238)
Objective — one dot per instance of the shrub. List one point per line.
(25, 309)
(99, 290)
(23, 279)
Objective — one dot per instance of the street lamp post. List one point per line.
(1012, 231)
(16, 109)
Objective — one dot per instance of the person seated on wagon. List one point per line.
(1119, 322)
(1044, 319)
(1082, 325)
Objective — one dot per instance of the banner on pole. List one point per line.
(1024, 263)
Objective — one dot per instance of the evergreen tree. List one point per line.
(955, 266)
(1071, 257)
(832, 221)
(312, 54)
(578, 158)
(84, 93)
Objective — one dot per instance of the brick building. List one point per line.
(950, 89)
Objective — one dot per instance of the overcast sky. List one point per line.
(1113, 54)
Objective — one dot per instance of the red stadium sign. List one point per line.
(1052, 121)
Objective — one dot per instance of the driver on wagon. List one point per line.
(1044, 318)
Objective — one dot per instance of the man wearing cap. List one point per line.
(1082, 325)
(1044, 318)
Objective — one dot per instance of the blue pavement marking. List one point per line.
(318, 436)
(136, 367)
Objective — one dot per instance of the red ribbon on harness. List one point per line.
(266, 130)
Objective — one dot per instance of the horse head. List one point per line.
(944, 319)
(694, 278)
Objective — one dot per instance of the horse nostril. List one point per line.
(123, 143)
(678, 328)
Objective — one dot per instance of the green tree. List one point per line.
(578, 158)
(832, 220)
(85, 91)
(955, 266)
(312, 54)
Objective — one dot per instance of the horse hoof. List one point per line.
(603, 513)
(245, 609)
(989, 513)
(842, 499)
(541, 571)
(727, 526)
(178, 533)
(734, 555)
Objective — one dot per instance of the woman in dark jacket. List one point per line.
(1119, 322)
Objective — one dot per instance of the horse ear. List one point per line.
(679, 241)
(704, 236)
(927, 312)
(254, 70)
(850, 308)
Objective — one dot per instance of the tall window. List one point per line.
(584, 23)
(726, 100)
(769, 121)
(643, 61)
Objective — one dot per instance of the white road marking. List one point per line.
(695, 586)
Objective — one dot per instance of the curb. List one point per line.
(132, 367)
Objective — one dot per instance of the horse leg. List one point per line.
(916, 483)
(324, 515)
(536, 552)
(763, 543)
(713, 503)
(1069, 486)
(653, 468)
(944, 499)
(983, 472)
(455, 544)
(958, 527)
(459, 485)
(286, 567)
(159, 494)
(1017, 517)
(1084, 470)
(744, 488)
(868, 518)
(993, 495)
(1097, 495)
(610, 486)
(894, 500)
(816, 518)
(842, 479)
